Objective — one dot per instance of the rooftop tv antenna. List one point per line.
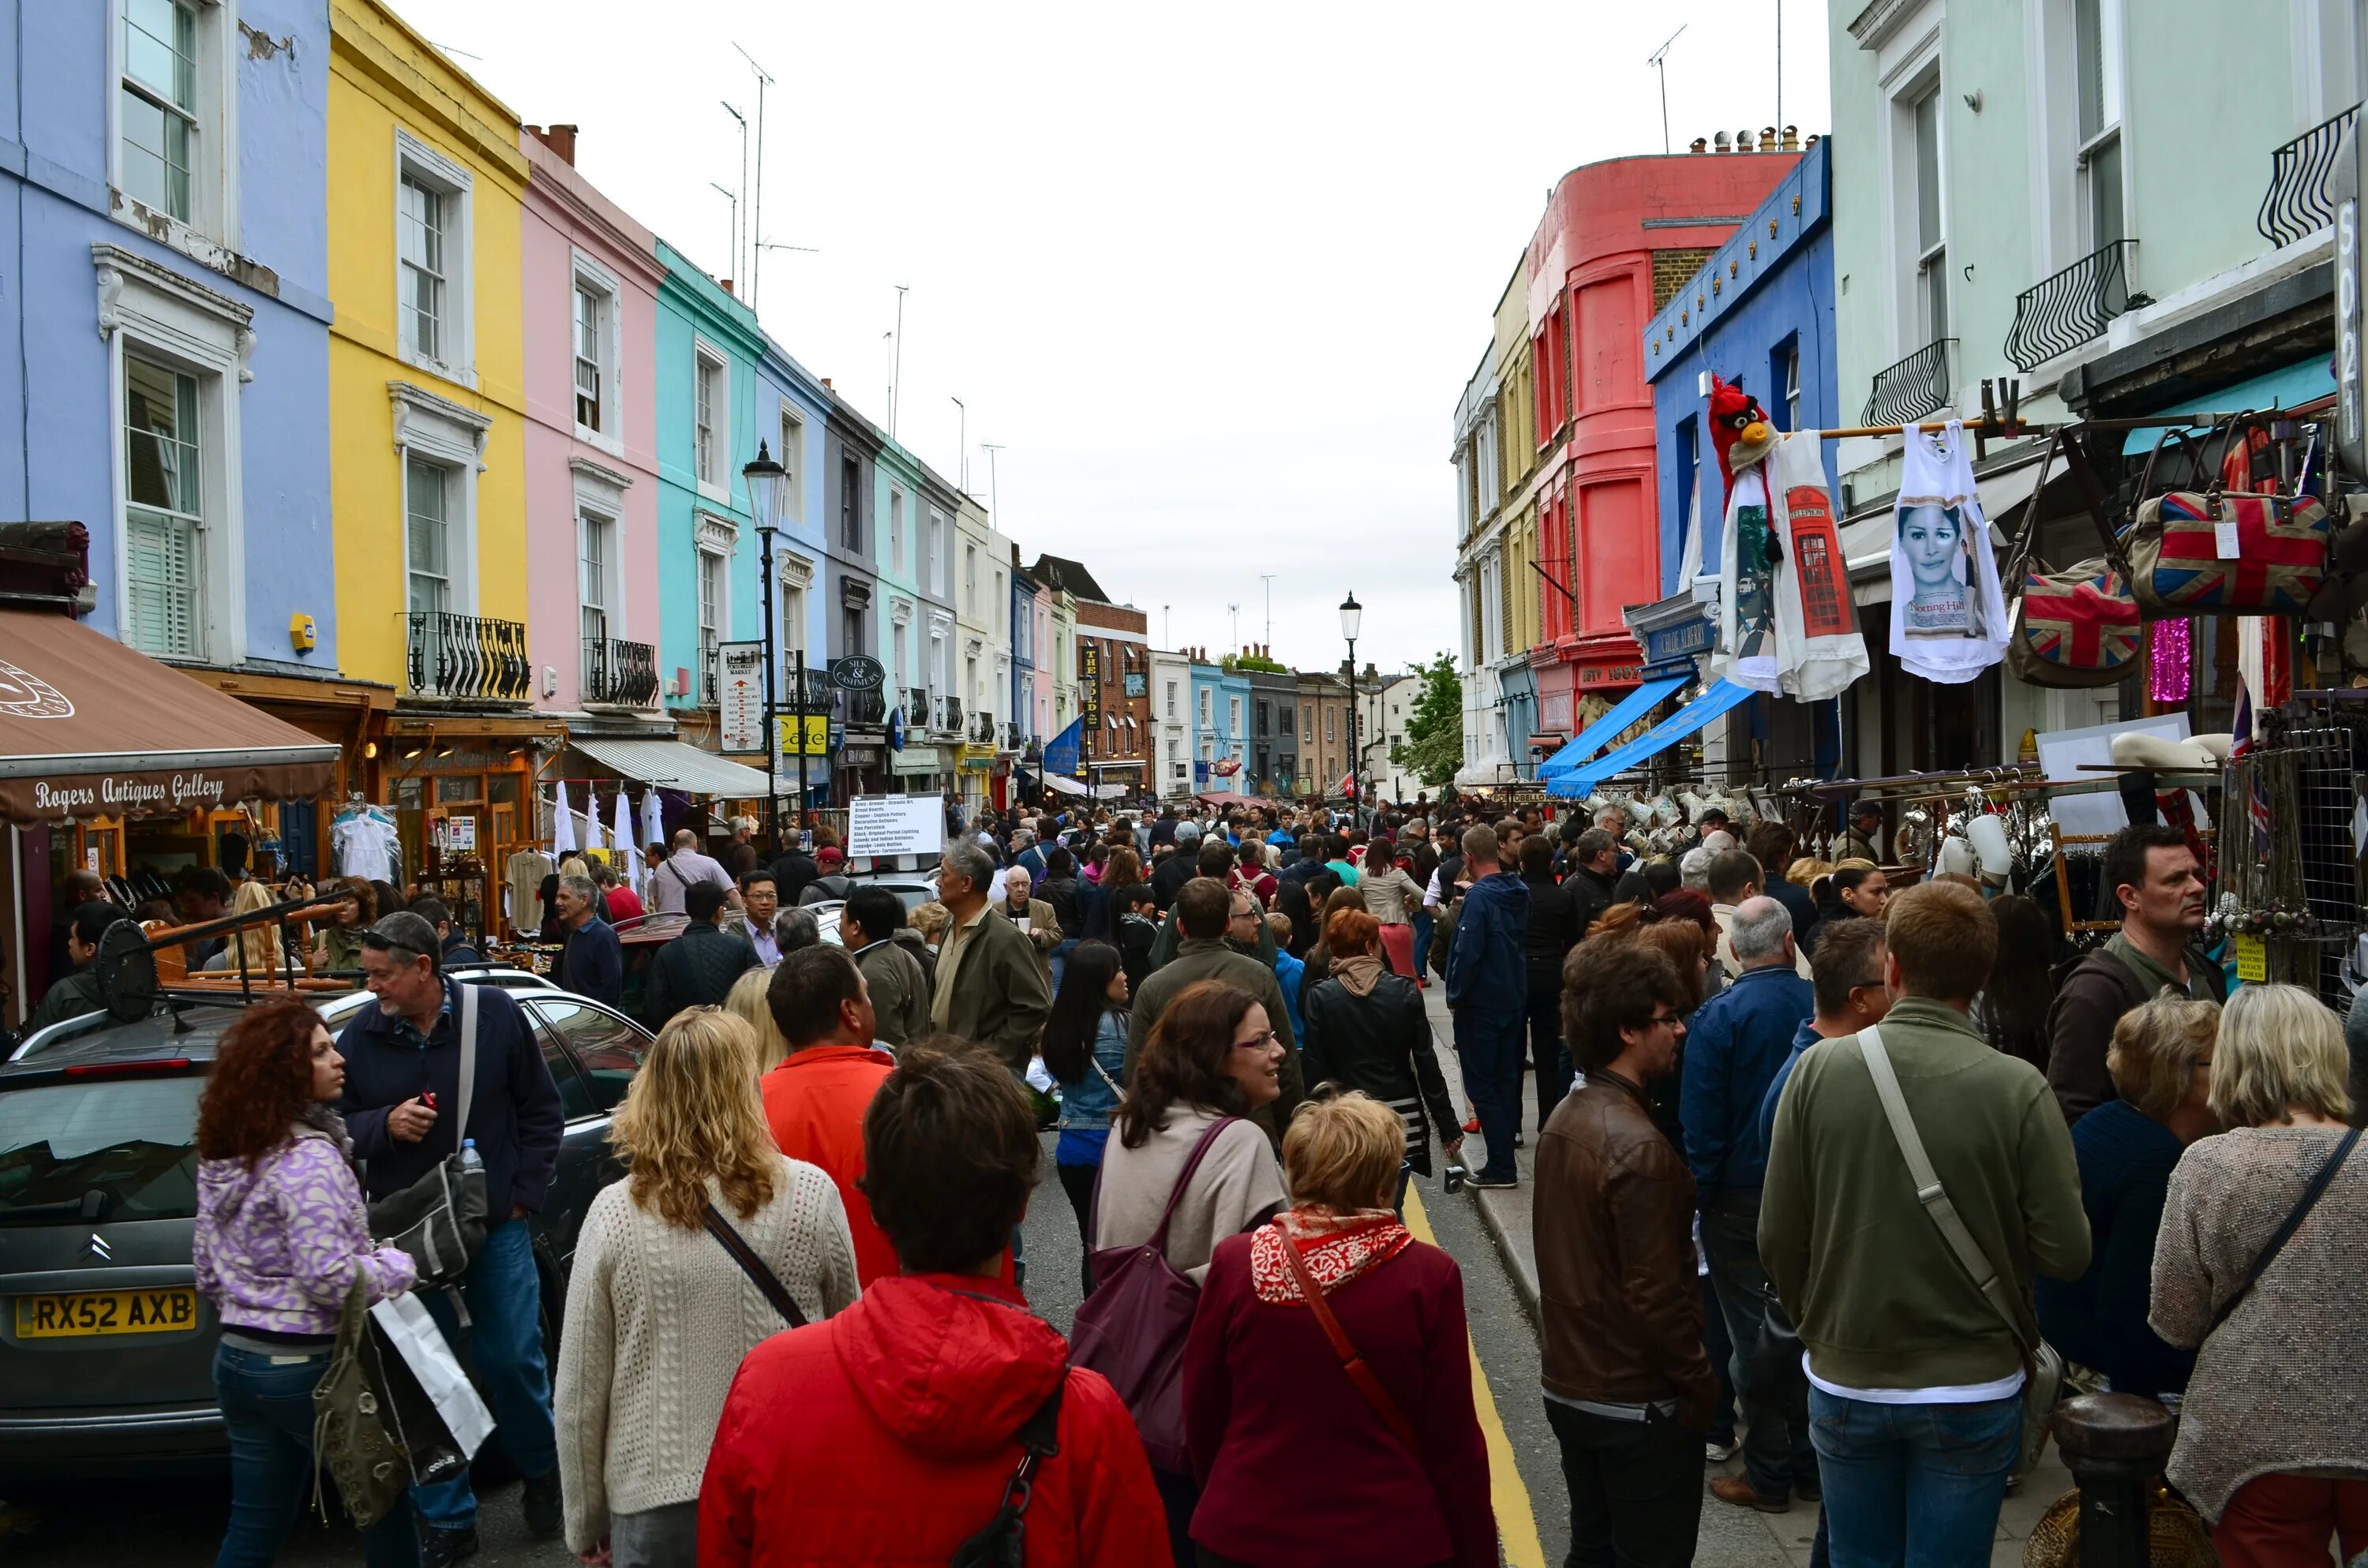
(1659, 61)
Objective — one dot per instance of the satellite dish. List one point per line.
(126, 967)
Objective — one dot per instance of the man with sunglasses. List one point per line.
(402, 1107)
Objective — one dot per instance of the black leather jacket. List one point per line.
(1380, 1043)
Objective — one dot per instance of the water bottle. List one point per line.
(470, 1159)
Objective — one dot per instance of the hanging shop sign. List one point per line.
(857, 671)
(740, 698)
(2351, 417)
(1090, 670)
(817, 729)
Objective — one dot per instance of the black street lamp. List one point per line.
(764, 480)
(1352, 616)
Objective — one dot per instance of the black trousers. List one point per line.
(1548, 1054)
(1078, 1181)
(1635, 1489)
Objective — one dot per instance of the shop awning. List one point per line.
(1060, 784)
(90, 727)
(671, 765)
(1596, 736)
(2305, 382)
(1687, 721)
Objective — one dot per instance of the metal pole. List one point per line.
(897, 366)
(772, 738)
(798, 696)
(1357, 793)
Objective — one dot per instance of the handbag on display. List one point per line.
(2223, 551)
(2079, 627)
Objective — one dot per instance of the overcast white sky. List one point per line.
(1213, 279)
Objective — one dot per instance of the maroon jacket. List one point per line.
(1294, 1466)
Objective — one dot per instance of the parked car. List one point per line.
(105, 1347)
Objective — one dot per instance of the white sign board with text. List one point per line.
(895, 824)
(740, 695)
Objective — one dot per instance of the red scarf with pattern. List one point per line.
(1336, 1249)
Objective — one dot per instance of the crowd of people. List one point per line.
(1816, 1181)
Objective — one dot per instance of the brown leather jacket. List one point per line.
(1620, 1308)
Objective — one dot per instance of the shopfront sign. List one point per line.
(1609, 674)
(1089, 673)
(1687, 640)
(917, 759)
(857, 671)
(785, 728)
(740, 680)
(2351, 417)
(895, 824)
(859, 756)
(978, 756)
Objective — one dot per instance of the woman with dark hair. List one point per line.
(1187, 1158)
(886, 1434)
(340, 946)
(2011, 1011)
(1084, 1047)
(282, 1238)
(1319, 957)
(1120, 871)
(1291, 897)
(1390, 897)
(1366, 1030)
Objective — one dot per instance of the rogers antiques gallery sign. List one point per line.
(143, 794)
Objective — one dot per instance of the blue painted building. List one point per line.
(1221, 709)
(166, 312)
(1761, 309)
(1025, 595)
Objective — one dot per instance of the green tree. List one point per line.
(1433, 747)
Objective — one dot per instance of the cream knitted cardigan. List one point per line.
(658, 1320)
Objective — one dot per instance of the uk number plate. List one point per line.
(106, 1311)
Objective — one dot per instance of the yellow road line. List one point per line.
(1516, 1523)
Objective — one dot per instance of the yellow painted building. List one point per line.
(426, 359)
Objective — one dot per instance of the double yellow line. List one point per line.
(1516, 1523)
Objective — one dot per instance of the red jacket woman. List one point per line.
(1268, 1404)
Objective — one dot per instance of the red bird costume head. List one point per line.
(1740, 430)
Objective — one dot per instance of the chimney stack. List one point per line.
(826, 383)
(559, 139)
(726, 284)
(1767, 137)
(1792, 143)
(1698, 145)
(1720, 141)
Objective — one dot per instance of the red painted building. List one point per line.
(1618, 238)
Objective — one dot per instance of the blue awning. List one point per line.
(1622, 714)
(2295, 385)
(1716, 700)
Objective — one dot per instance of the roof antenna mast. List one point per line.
(1659, 60)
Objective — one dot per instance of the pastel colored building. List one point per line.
(855, 604)
(591, 278)
(1171, 719)
(792, 415)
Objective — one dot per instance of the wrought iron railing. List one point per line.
(710, 671)
(861, 707)
(619, 674)
(2296, 205)
(1914, 387)
(2058, 313)
(949, 714)
(817, 690)
(467, 658)
(982, 729)
(1010, 741)
(916, 709)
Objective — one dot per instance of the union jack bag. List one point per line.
(2079, 627)
(2224, 552)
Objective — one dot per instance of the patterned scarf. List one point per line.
(1336, 1249)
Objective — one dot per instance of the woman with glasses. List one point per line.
(1187, 1158)
(659, 1314)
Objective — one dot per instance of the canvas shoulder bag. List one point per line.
(440, 1219)
(2079, 627)
(2043, 1368)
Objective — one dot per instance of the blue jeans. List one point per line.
(267, 1404)
(1490, 1049)
(1059, 961)
(1913, 1485)
(1421, 919)
(504, 1299)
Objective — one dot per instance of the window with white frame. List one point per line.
(1232, 715)
(903, 670)
(1331, 726)
(970, 579)
(164, 518)
(710, 440)
(797, 576)
(1171, 699)
(933, 564)
(2097, 51)
(161, 134)
(428, 535)
(598, 338)
(1205, 719)
(791, 457)
(1792, 386)
(1929, 236)
(712, 607)
(432, 259)
(895, 530)
(595, 539)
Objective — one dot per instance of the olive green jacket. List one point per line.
(900, 992)
(993, 990)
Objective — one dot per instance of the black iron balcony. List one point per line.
(2057, 315)
(1010, 741)
(1914, 387)
(916, 709)
(2296, 204)
(981, 730)
(949, 715)
(619, 674)
(465, 658)
(818, 689)
(710, 672)
(861, 707)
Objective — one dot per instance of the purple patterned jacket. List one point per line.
(278, 1247)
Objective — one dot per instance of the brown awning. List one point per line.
(90, 727)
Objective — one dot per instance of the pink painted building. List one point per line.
(591, 276)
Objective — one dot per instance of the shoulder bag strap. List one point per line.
(1184, 1178)
(1352, 1360)
(1929, 1191)
(2026, 543)
(2303, 1206)
(468, 1059)
(764, 1279)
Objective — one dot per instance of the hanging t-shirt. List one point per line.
(1746, 605)
(1948, 618)
(1818, 649)
(522, 875)
(366, 846)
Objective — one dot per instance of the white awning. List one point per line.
(672, 765)
(1062, 785)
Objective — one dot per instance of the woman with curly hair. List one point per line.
(281, 1239)
(340, 946)
(659, 1314)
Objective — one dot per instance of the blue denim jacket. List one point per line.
(1086, 1106)
(1487, 976)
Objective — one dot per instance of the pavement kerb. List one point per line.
(1505, 1212)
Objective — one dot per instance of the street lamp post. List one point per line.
(1352, 616)
(764, 480)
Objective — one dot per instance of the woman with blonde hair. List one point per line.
(1268, 1400)
(254, 949)
(746, 1002)
(2273, 1445)
(661, 1306)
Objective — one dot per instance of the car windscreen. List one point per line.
(131, 1139)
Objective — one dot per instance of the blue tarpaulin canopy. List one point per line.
(1714, 701)
(1622, 714)
(2297, 384)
